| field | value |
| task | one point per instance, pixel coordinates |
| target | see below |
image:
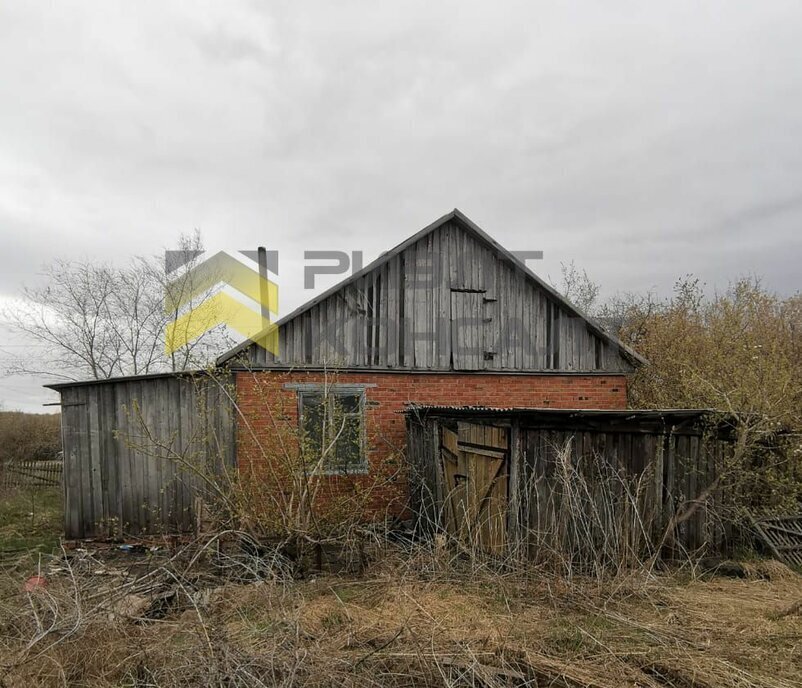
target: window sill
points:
(356, 470)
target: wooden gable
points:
(448, 298)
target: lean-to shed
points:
(136, 450)
(497, 478)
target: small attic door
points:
(467, 330)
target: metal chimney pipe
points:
(263, 295)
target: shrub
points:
(29, 436)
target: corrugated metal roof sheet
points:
(437, 409)
(548, 409)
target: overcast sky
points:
(641, 140)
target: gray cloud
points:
(642, 141)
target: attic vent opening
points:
(598, 352)
(373, 315)
(307, 333)
(552, 336)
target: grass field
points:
(414, 618)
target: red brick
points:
(271, 414)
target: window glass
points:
(350, 403)
(333, 430)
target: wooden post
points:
(433, 455)
(516, 465)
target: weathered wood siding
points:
(673, 461)
(127, 448)
(663, 468)
(449, 301)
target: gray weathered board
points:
(449, 298)
(131, 448)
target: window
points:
(332, 425)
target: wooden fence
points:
(31, 473)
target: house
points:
(446, 318)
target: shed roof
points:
(622, 420)
(125, 378)
(489, 411)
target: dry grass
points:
(410, 620)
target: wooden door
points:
(475, 483)
(467, 330)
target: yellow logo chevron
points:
(221, 308)
(221, 267)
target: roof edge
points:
(383, 258)
(57, 386)
(412, 406)
(630, 354)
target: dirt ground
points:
(105, 616)
(162, 614)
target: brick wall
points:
(269, 421)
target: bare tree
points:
(98, 320)
(627, 314)
(578, 288)
(182, 294)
